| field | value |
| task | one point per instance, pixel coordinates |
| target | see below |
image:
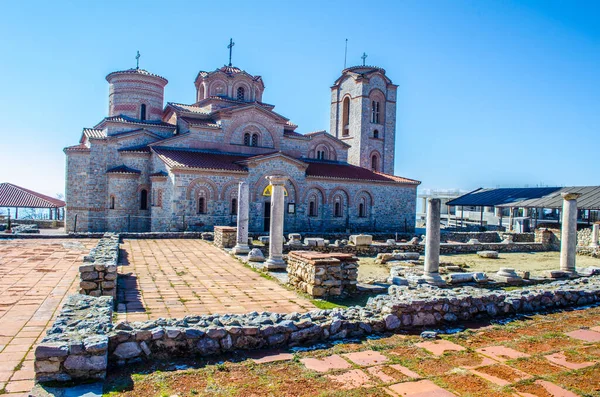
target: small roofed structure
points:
(524, 203)
(13, 196)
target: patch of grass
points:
(183, 300)
(324, 305)
(180, 273)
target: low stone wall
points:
(405, 308)
(225, 236)
(445, 248)
(323, 275)
(594, 252)
(76, 347)
(98, 274)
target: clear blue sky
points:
(490, 92)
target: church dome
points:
(136, 93)
(229, 82)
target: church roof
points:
(77, 148)
(123, 169)
(187, 108)
(337, 170)
(228, 70)
(93, 133)
(214, 160)
(134, 72)
(130, 120)
(208, 123)
(136, 149)
(16, 196)
(205, 159)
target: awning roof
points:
(500, 196)
(15, 196)
(589, 200)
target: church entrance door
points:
(267, 216)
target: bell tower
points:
(363, 114)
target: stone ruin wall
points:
(98, 274)
(73, 350)
(225, 236)
(323, 275)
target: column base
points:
(275, 264)
(240, 249)
(434, 279)
(561, 273)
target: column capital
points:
(570, 196)
(433, 200)
(277, 179)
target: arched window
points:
(218, 89)
(143, 111)
(376, 134)
(254, 139)
(312, 208)
(375, 112)
(321, 154)
(337, 209)
(247, 139)
(112, 202)
(361, 210)
(144, 199)
(201, 203)
(346, 117)
(240, 93)
(234, 206)
(201, 92)
(375, 162)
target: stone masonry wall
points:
(225, 236)
(323, 275)
(98, 274)
(404, 308)
(76, 347)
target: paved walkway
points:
(173, 278)
(35, 276)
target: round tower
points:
(136, 93)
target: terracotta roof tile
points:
(294, 134)
(77, 148)
(337, 170)
(136, 71)
(201, 122)
(122, 169)
(130, 120)
(136, 149)
(93, 133)
(189, 158)
(16, 196)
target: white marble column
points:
(275, 260)
(568, 243)
(243, 209)
(595, 234)
(432, 243)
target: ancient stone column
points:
(275, 260)
(568, 243)
(243, 208)
(432, 243)
(595, 234)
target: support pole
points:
(275, 260)
(568, 239)
(243, 209)
(432, 244)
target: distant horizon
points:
(490, 93)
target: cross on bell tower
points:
(137, 60)
(230, 46)
(364, 57)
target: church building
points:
(174, 167)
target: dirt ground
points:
(534, 262)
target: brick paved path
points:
(35, 276)
(173, 278)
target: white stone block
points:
(361, 239)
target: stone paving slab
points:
(35, 277)
(177, 277)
